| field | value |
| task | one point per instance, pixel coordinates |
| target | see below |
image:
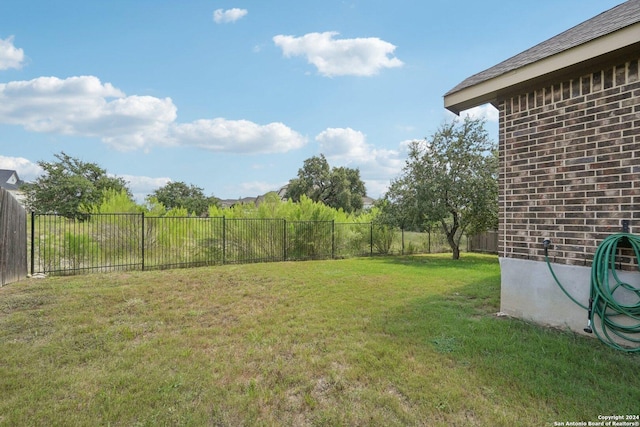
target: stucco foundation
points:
(529, 292)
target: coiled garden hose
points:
(602, 302)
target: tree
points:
(451, 180)
(180, 195)
(70, 187)
(339, 188)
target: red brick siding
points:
(570, 164)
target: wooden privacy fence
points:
(486, 242)
(13, 239)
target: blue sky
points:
(233, 96)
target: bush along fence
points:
(106, 242)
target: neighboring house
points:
(229, 203)
(367, 202)
(282, 192)
(10, 181)
(569, 142)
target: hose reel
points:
(614, 318)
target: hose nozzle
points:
(588, 328)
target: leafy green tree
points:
(304, 210)
(70, 187)
(180, 195)
(114, 201)
(339, 188)
(450, 179)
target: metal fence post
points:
(224, 240)
(284, 239)
(371, 236)
(142, 241)
(33, 242)
(333, 238)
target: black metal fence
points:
(106, 242)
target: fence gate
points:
(13, 239)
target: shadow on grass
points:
(575, 377)
(467, 261)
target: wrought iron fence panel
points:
(102, 242)
(105, 242)
(171, 242)
(308, 240)
(254, 240)
(383, 239)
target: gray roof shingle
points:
(612, 20)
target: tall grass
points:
(375, 341)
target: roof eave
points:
(489, 90)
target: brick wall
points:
(570, 164)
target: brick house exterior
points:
(570, 163)
(569, 149)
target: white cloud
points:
(221, 16)
(238, 136)
(26, 169)
(10, 56)
(486, 111)
(376, 188)
(84, 106)
(356, 57)
(406, 128)
(142, 186)
(348, 147)
(344, 143)
(134, 122)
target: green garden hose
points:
(602, 302)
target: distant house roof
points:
(229, 203)
(613, 32)
(368, 202)
(9, 180)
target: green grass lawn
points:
(380, 341)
